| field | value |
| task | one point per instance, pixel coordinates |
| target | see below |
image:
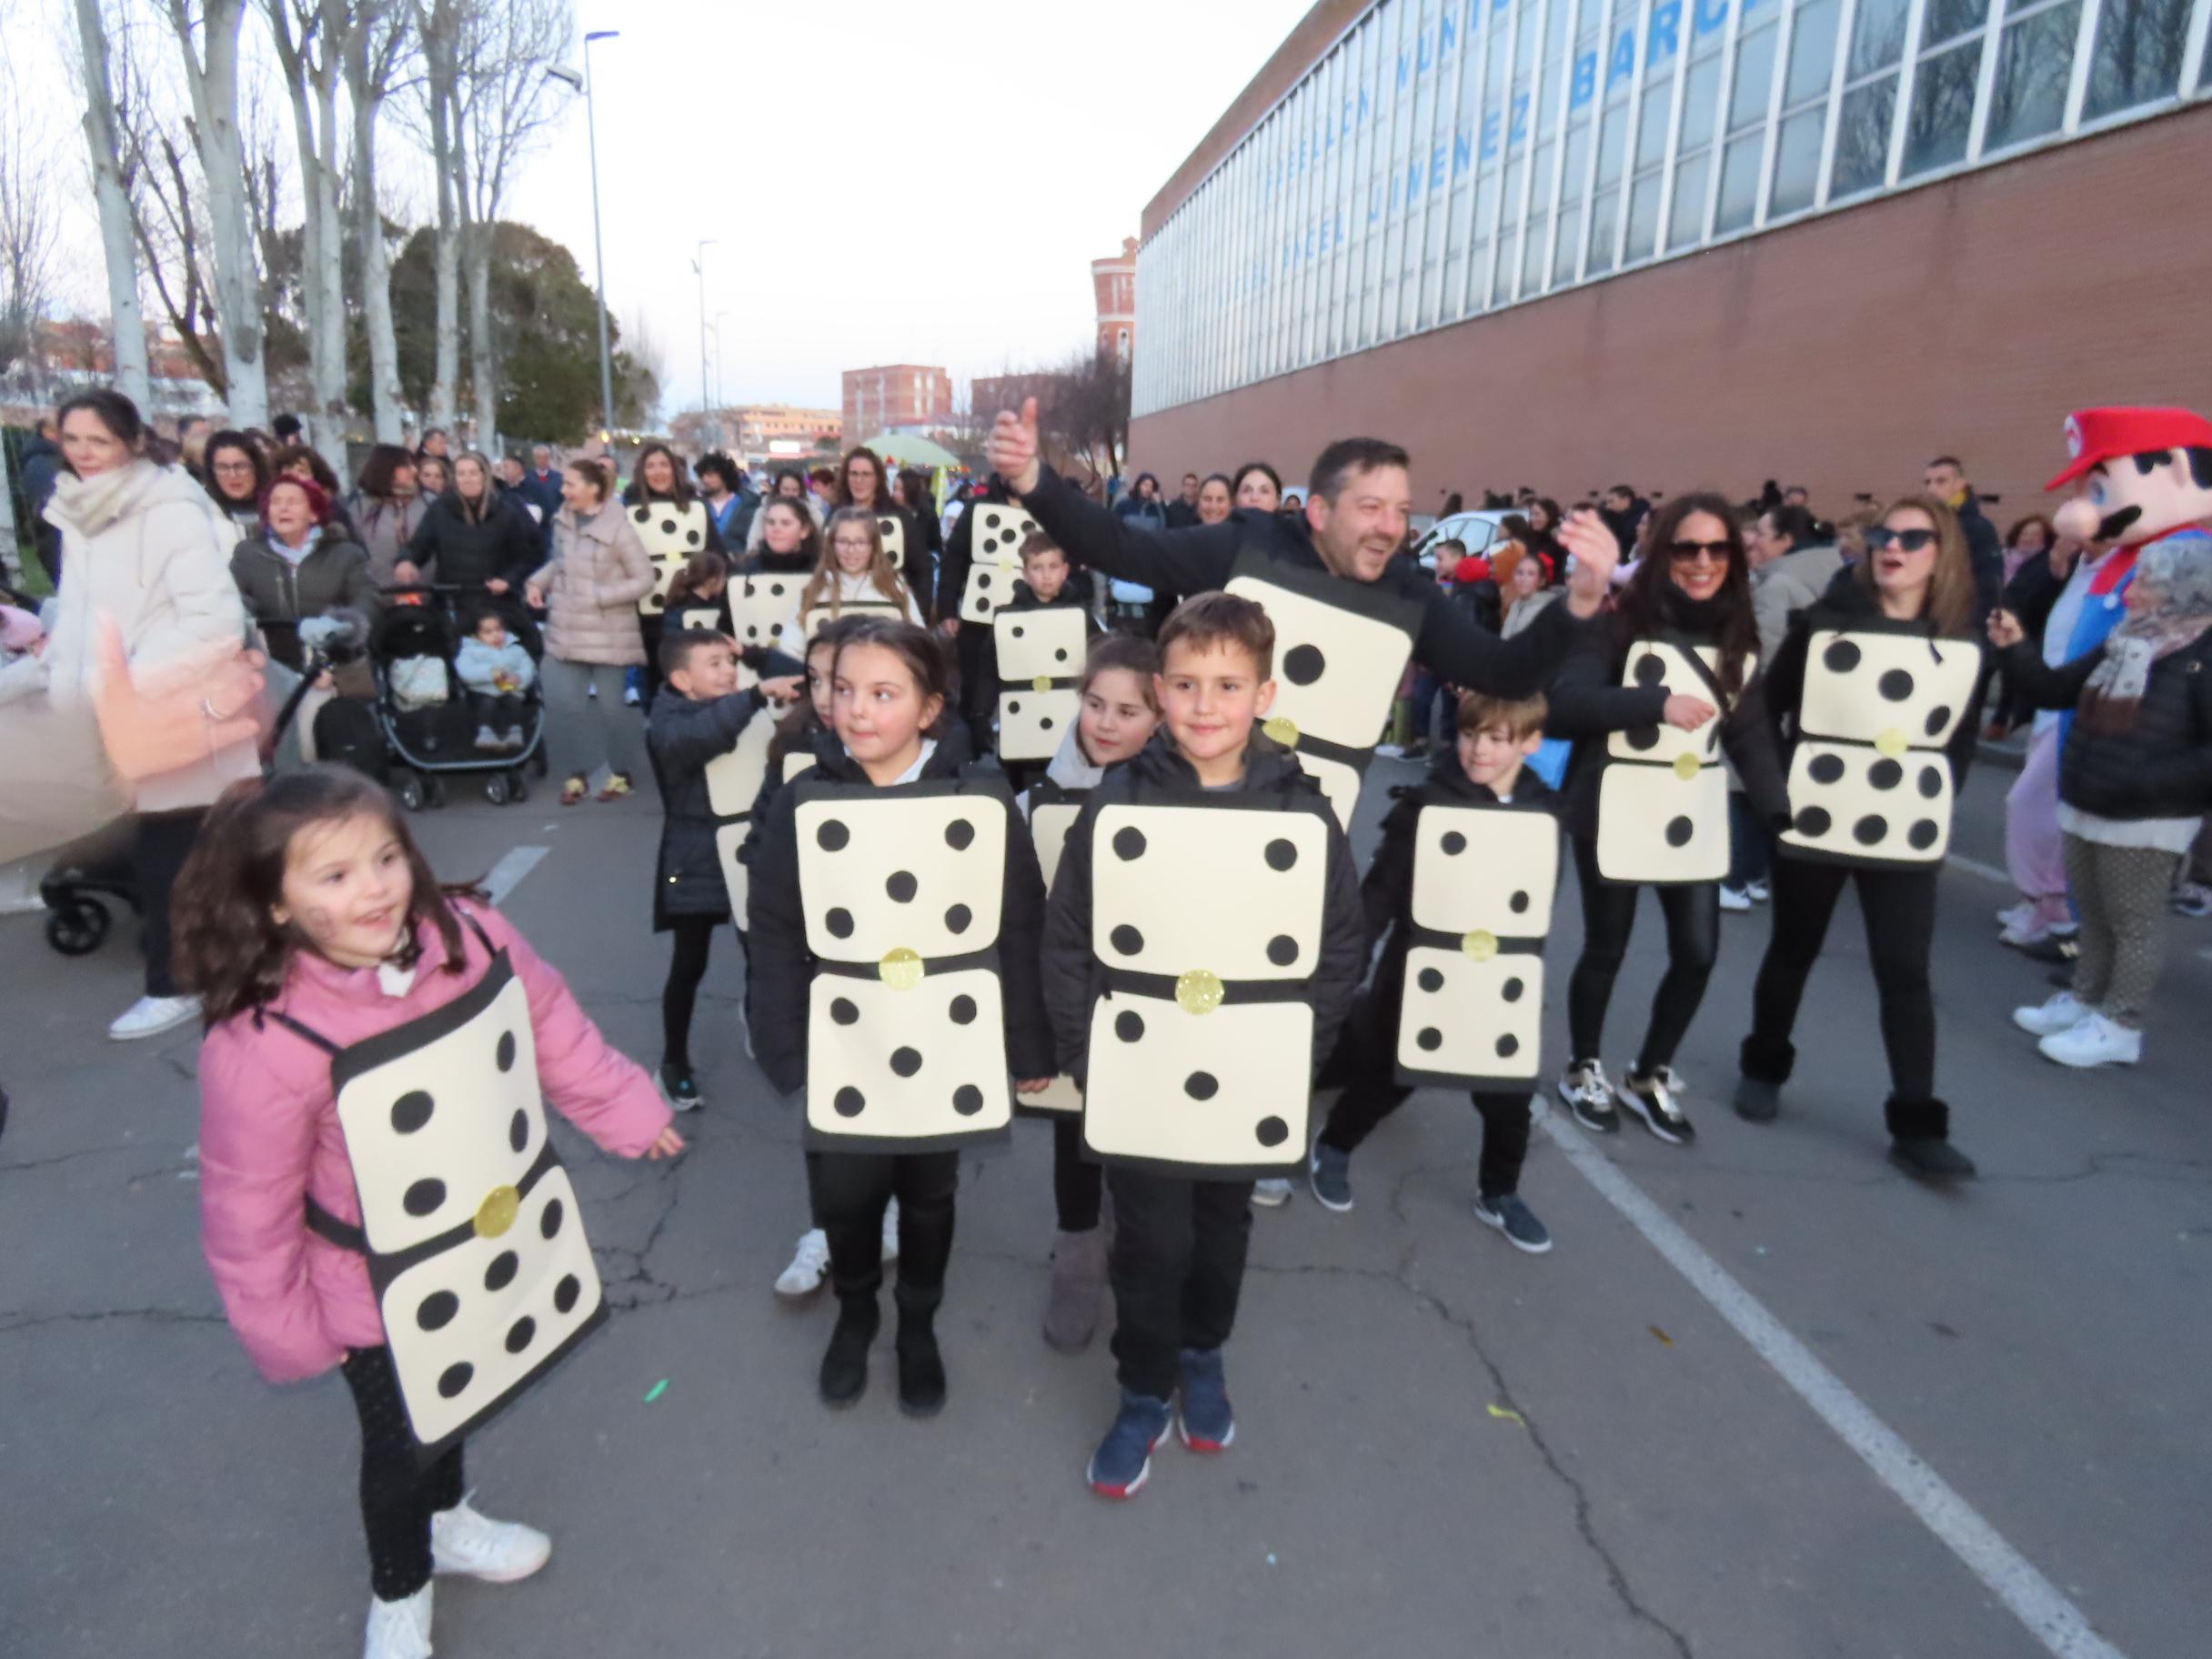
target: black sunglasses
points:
(1686, 552)
(1880, 537)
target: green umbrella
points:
(913, 451)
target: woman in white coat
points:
(141, 544)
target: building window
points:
(2137, 56)
(2034, 62)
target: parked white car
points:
(1476, 530)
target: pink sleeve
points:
(601, 1090)
(257, 1134)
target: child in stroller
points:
(426, 704)
(496, 669)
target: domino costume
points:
(1647, 805)
(1880, 720)
(881, 921)
(1039, 650)
(672, 531)
(1202, 950)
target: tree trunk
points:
(213, 85)
(125, 320)
(483, 360)
(309, 85)
(365, 83)
(437, 25)
(329, 181)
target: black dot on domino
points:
(1201, 1085)
(840, 924)
(437, 1309)
(963, 1010)
(848, 1101)
(1518, 904)
(519, 1333)
(1272, 1131)
(668, 526)
(960, 835)
(1931, 782)
(1430, 1039)
(967, 1100)
(424, 1197)
(1044, 722)
(1827, 768)
(1896, 685)
(958, 918)
(1282, 949)
(1129, 843)
(1126, 940)
(504, 1055)
(519, 1129)
(1512, 991)
(1939, 717)
(1870, 830)
(549, 1223)
(833, 836)
(411, 1111)
(901, 887)
(1679, 831)
(1812, 823)
(643, 515)
(1508, 1046)
(1453, 843)
(1885, 774)
(1431, 980)
(1643, 737)
(905, 1062)
(566, 1292)
(1129, 1025)
(1650, 671)
(1303, 664)
(454, 1379)
(502, 1271)
(842, 1010)
(1840, 656)
(1923, 834)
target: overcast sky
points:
(885, 182)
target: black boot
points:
(922, 1369)
(1766, 1064)
(1920, 1140)
(844, 1376)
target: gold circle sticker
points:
(1043, 682)
(1687, 765)
(1197, 992)
(900, 969)
(497, 1213)
(1480, 945)
(1892, 744)
(1282, 730)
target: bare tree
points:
(438, 24)
(504, 107)
(373, 50)
(207, 36)
(309, 37)
(118, 243)
(29, 220)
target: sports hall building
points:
(1671, 243)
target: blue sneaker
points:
(1125, 1458)
(1515, 1220)
(1205, 1423)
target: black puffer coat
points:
(2162, 766)
(449, 546)
(683, 737)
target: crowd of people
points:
(1028, 801)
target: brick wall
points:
(1968, 317)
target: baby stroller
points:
(423, 708)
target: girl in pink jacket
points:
(378, 1192)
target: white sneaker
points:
(1735, 897)
(488, 739)
(151, 1016)
(476, 1547)
(810, 1261)
(2061, 1012)
(890, 1230)
(1271, 1194)
(2024, 932)
(2095, 1041)
(2016, 915)
(1760, 892)
(1384, 751)
(399, 1630)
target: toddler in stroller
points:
(435, 719)
(497, 671)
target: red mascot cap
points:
(2095, 436)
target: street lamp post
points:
(582, 83)
(718, 315)
(698, 264)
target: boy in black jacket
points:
(1177, 1254)
(687, 734)
(1044, 702)
(1494, 1014)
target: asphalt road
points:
(1445, 1448)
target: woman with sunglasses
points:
(1648, 806)
(1872, 695)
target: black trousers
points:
(164, 841)
(1692, 914)
(497, 710)
(1077, 1185)
(850, 1190)
(976, 650)
(649, 687)
(398, 1495)
(1177, 1268)
(1899, 907)
(692, 938)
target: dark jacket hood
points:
(951, 756)
(1447, 784)
(1267, 765)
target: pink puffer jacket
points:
(599, 572)
(270, 1137)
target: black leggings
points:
(398, 1494)
(1899, 908)
(1076, 1185)
(692, 937)
(850, 1190)
(1363, 1061)
(162, 842)
(1692, 913)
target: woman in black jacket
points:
(862, 482)
(2135, 781)
(471, 537)
(910, 490)
(888, 698)
(1873, 694)
(674, 523)
(1644, 807)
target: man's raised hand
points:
(1012, 448)
(1595, 553)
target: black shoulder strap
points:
(1704, 669)
(305, 1033)
(477, 927)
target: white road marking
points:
(1988, 872)
(508, 873)
(2010, 1576)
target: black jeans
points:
(1077, 1185)
(1363, 1063)
(1751, 844)
(1899, 907)
(850, 1190)
(398, 1494)
(692, 938)
(497, 710)
(1177, 1267)
(164, 841)
(1692, 913)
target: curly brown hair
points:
(230, 948)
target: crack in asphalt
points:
(25, 1319)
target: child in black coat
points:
(1040, 636)
(688, 734)
(1492, 1015)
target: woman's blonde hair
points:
(1951, 595)
(823, 587)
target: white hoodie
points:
(862, 591)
